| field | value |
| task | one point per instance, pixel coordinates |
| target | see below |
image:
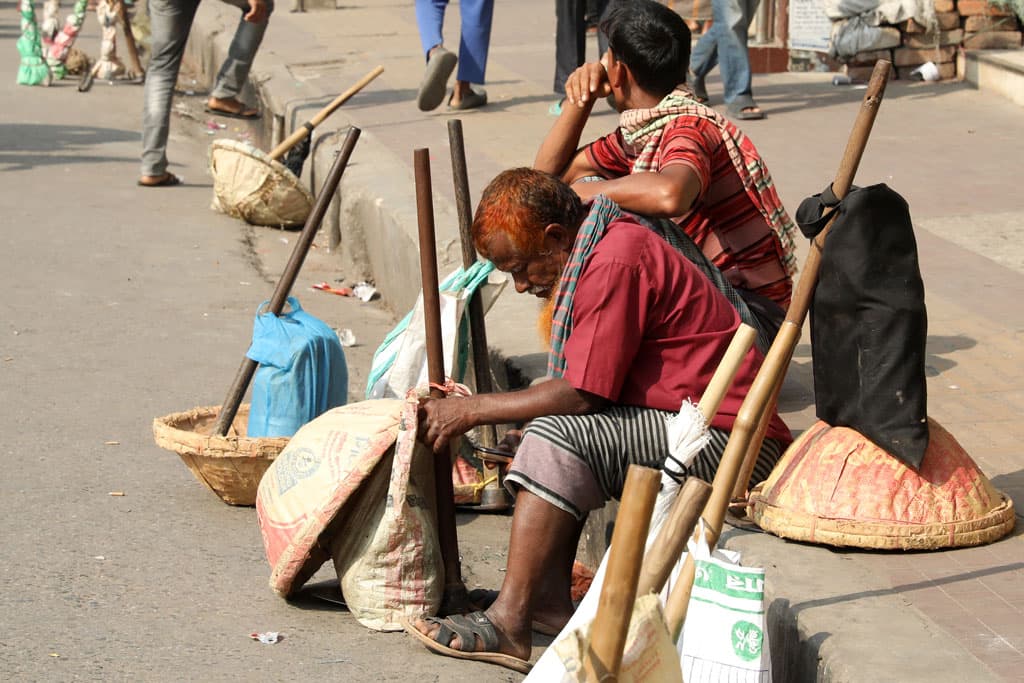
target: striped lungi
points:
(578, 462)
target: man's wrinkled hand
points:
(443, 419)
(587, 83)
(257, 13)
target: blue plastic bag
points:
(302, 371)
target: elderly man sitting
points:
(635, 329)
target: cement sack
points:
(750, 660)
(334, 477)
(648, 657)
(386, 553)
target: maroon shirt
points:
(649, 329)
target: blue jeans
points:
(170, 22)
(726, 44)
(475, 38)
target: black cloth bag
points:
(868, 321)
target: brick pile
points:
(960, 25)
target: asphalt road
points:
(122, 304)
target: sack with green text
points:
(724, 636)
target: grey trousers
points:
(170, 22)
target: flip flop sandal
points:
(435, 81)
(471, 100)
(482, 598)
(247, 115)
(169, 180)
(469, 628)
(737, 109)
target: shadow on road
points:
(28, 145)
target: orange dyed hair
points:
(521, 202)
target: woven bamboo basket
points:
(248, 184)
(231, 466)
(835, 487)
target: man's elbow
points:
(670, 203)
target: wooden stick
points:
(691, 499)
(739, 491)
(454, 589)
(129, 40)
(478, 331)
(686, 508)
(291, 272)
(300, 133)
(676, 529)
(493, 497)
(726, 371)
(618, 593)
(774, 368)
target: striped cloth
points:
(602, 212)
(606, 444)
(642, 130)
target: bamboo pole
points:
(691, 499)
(454, 588)
(306, 128)
(618, 593)
(774, 368)
(493, 497)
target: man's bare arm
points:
(668, 193)
(443, 419)
(559, 154)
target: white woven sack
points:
(387, 555)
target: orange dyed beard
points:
(544, 318)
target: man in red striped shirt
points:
(674, 158)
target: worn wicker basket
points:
(248, 184)
(231, 466)
(834, 486)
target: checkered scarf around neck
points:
(642, 130)
(603, 212)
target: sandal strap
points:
(444, 634)
(472, 626)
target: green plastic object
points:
(32, 70)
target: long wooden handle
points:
(446, 531)
(291, 272)
(840, 186)
(306, 128)
(801, 301)
(675, 530)
(775, 364)
(618, 593)
(727, 368)
(477, 329)
(691, 499)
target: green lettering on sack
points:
(734, 584)
(746, 640)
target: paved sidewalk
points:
(952, 151)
